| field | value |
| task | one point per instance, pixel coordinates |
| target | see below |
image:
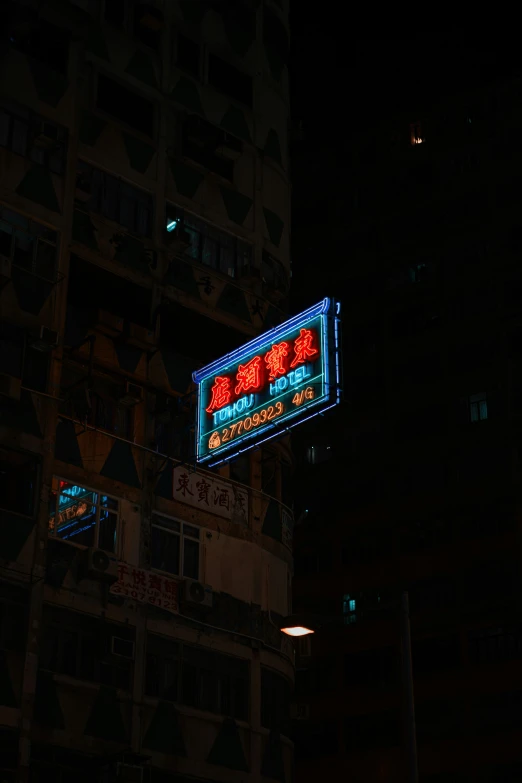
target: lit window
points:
(175, 547)
(83, 516)
(478, 407)
(416, 136)
(349, 609)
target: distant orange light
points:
(297, 630)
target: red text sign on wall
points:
(146, 587)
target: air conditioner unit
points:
(133, 395)
(299, 711)
(44, 339)
(10, 386)
(129, 773)
(122, 647)
(108, 323)
(196, 594)
(141, 337)
(99, 565)
(5, 269)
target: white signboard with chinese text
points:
(200, 490)
(147, 587)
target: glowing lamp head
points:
(297, 630)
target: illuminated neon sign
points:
(274, 382)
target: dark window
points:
(14, 614)
(175, 547)
(18, 482)
(115, 12)
(377, 730)
(125, 105)
(117, 200)
(435, 593)
(81, 646)
(188, 55)
(148, 22)
(197, 677)
(91, 287)
(39, 140)
(36, 368)
(210, 246)
(494, 645)
(439, 719)
(229, 80)
(434, 655)
(275, 700)
(30, 245)
(275, 36)
(315, 740)
(210, 146)
(371, 668)
(45, 42)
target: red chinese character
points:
(183, 482)
(203, 488)
(274, 360)
(122, 571)
(170, 587)
(249, 375)
(221, 393)
(155, 582)
(303, 348)
(138, 577)
(221, 498)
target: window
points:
(229, 80)
(117, 200)
(197, 677)
(82, 646)
(18, 482)
(125, 105)
(371, 668)
(148, 22)
(377, 730)
(188, 55)
(210, 246)
(275, 36)
(315, 740)
(175, 547)
(495, 645)
(273, 273)
(43, 42)
(89, 283)
(275, 701)
(349, 609)
(211, 147)
(33, 137)
(115, 12)
(30, 245)
(435, 654)
(478, 407)
(83, 516)
(14, 617)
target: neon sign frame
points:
(312, 395)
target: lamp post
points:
(303, 625)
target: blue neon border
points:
(256, 344)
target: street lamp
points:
(304, 625)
